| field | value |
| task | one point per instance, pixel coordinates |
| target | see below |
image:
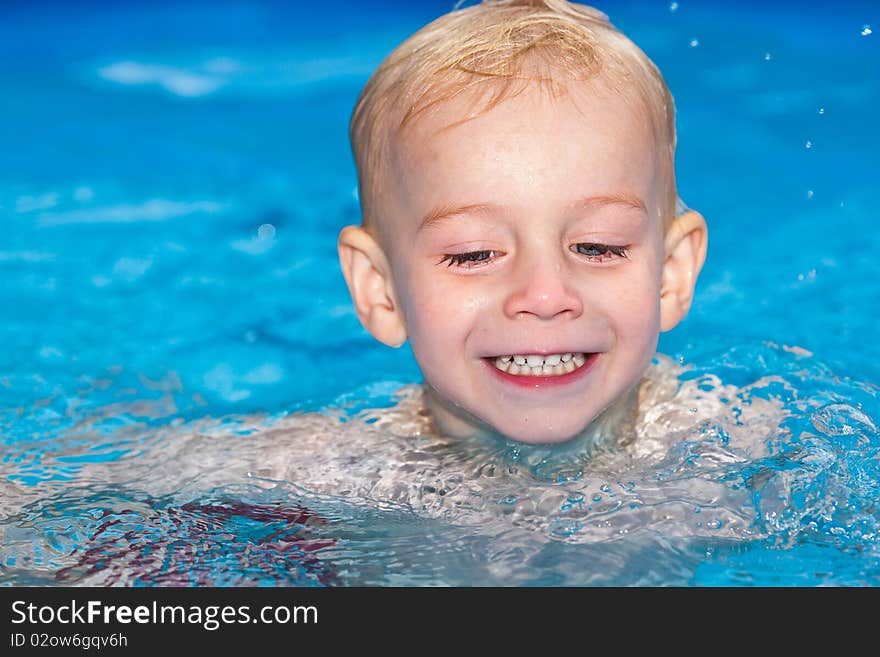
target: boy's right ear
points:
(368, 276)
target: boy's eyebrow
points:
(441, 213)
(620, 198)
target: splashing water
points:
(713, 475)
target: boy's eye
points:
(469, 259)
(595, 252)
(600, 252)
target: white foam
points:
(254, 245)
(25, 256)
(222, 379)
(263, 74)
(263, 374)
(153, 210)
(32, 203)
(178, 81)
(222, 66)
(83, 194)
(131, 269)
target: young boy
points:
(520, 224)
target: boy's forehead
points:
(590, 103)
(585, 115)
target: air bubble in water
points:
(809, 194)
(866, 30)
(821, 110)
(266, 232)
(694, 43)
(767, 56)
(809, 144)
(673, 6)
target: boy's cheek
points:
(441, 317)
(639, 318)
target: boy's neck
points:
(614, 427)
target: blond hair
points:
(492, 42)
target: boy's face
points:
(506, 236)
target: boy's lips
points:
(584, 363)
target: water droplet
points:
(821, 110)
(767, 56)
(809, 144)
(266, 232)
(597, 497)
(809, 194)
(605, 488)
(694, 43)
(714, 524)
(866, 30)
(673, 6)
(508, 499)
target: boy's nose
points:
(540, 289)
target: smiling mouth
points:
(536, 365)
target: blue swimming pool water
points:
(172, 179)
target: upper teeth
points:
(536, 364)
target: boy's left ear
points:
(686, 242)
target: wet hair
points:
(493, 51)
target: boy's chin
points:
(542, 435)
